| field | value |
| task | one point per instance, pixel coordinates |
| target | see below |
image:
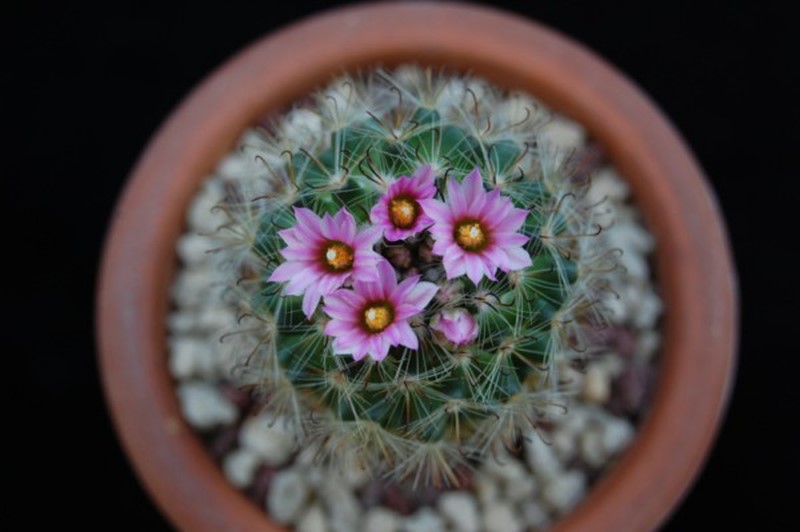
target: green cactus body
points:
(416, 413)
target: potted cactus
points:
(409, 275)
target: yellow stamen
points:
(470, 235)
(377, 317)
(338, 256)
(403, 211)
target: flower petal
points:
(330, 282)
(340, 329)
(407, 336)
(513, 219)
(472, 186)
(311, 300)
(438, 211)
(300, 253)
(402, 290)
(367, 238)
(497, 256)
(350, 298)
(453, 262)
(307, 222)
(421, 295)
(518, 258)
(456, 198)
(387, 277)
(284, 272)
(474, 267)
(361, 349)
(346, 225)
(509, 239)
(377, 347)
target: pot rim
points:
(693, 260)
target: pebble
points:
(517, 109)
(521, 488)
(500, 517)
(460, 509)
(564, 491)
(453, 94)
(216, 320)
(380, 519)
(597, 384)
(193, 249)
(647, 345)
(617, 435)
(192, 357)
(593, 451)
(649, 310)
(303, 127)
(565, 134)
(576, 419)
(243, 168)
(636, 268)
(617, 308)
(631, 237)
(268, 437)
(425, 520)
(202, 216)
(287, 496)
(313, 520)
(541, 457)
(192, 288)
(606, 183)
(240, 467)
(503, 466)
(534, 515)
(343, 508)
(564, 443)
(203, 405)
(486, 488)
(182, 322)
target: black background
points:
(84, 88)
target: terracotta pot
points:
(693, 262)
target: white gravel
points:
(460, 510)
(425, 520)
(313, 520)
(379, 519)
(203, 405)
(240, 467)
(287, 496)
(565, 491)
(501, 517)
(270, 438)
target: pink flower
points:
(374, 316)
(398, 211)
(458, 326)
(476, 231)
(322, 254)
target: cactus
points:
(410, 261)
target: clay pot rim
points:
(693, 259)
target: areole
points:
(698, 288)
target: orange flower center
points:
(378, 316)
(470, 235)
(403, 211)
(337, 256)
